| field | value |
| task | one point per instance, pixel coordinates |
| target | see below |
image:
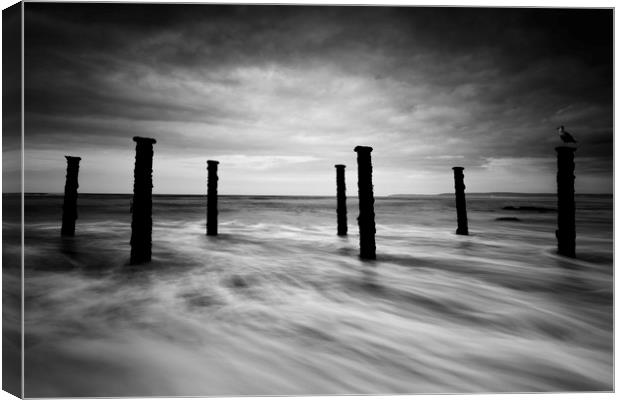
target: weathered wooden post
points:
(69, 207)
(366, 219)
(461, 206)
(141, 221)
(212, 198)
(565, 233)
(341, 193)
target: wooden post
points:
(141, 221)
(69, 207)
(212, 198)
(461, 206)
(366, 219)
(341, 193)
(565, 233)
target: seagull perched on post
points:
(565, 136)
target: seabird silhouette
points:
(565, 136)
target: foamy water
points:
(277, 304)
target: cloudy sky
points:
(279, 94)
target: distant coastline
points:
(499, 194)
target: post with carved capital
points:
(565, 233)
(341, 193)
(212, 198)
(141, 221)
(461, 206)
(69, 207)
(366, 219)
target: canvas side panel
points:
(12, 199)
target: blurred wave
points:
(277, 304)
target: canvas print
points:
(228, 200)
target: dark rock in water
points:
(514, 219)
(530, 208)
(238, 281)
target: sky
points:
(280, 94)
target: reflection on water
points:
(280, 305)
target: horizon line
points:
(318, 195)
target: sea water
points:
(278, 304)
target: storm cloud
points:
(279, 94)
